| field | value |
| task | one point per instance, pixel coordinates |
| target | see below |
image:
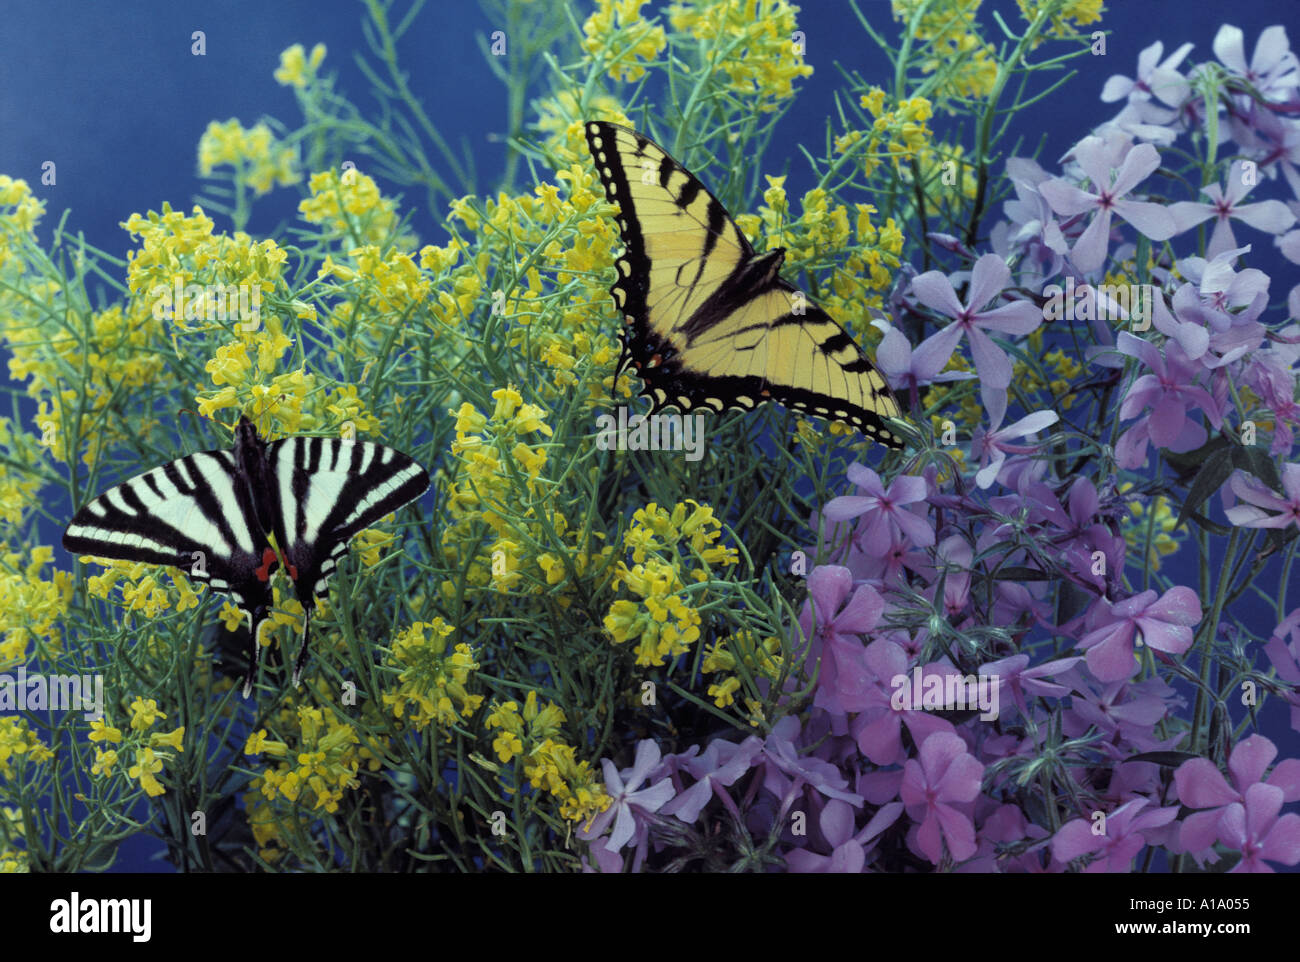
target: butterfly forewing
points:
(194, 514)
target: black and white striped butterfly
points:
(210, 515)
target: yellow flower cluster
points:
(497, 480)
(20, 212)
(16, 741)
(146, 588)
(547, 249)
(297, 69)
(897, 134)
(655, 531)
(562, 120)
(12, 828)
(661, 543)
(533, 735)
(965, 65)
(392, 282)
(756, 43)
(258, 159)
(761, 658)
(142, 742)
(617, 37)
(31, 606)
(350, 205)
(430, 677)
(1157, 517)
(318, 771)
(305, 775)
(119, 349)
(1081, 12)
(857, 284)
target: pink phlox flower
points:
(944, 777)
(1121, 840)
(1164, 622)
(1261, 500)
(1201, 786)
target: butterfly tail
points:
(618, 372)
(254, 652)
(302, 644)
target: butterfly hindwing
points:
(710, 323)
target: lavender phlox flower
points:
(722, 765)
(1169, 392)
(630, 803)
(1273, 70)
(1164, 622)
(1201, 786)
(1255, 828)
(848, 850)
(989, 278)
(1258, 497)
(1120, 842)
(1020, 681)
(843, 614)
(1270, 216)
(943, 777)
(992, 445)
(907, 369)
(1157, 82)
(1109, 199)
(877, 507)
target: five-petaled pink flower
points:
(1120, 840)
(1258, 496)
(945, 774)
(1202, 786)
(1164, 622)
(1253, 828)
(879, 508)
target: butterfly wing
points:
(195, 514)
(328, 490)
(710, 322)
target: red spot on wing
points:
(264, 572)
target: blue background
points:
(112, 94)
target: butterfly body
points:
(213, 513)
(710, 322)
